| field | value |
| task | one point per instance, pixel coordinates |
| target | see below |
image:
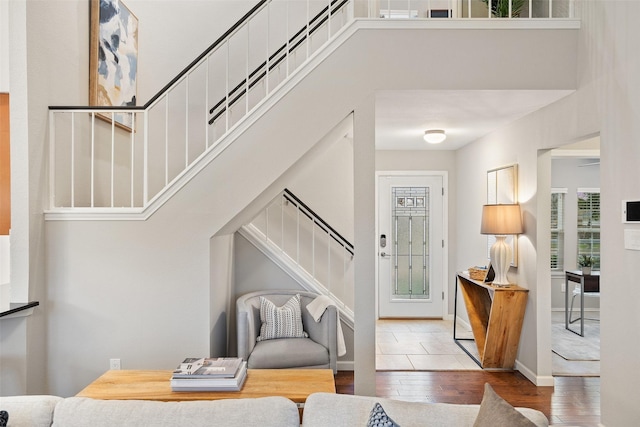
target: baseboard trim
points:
(539, 381)
(346, 365)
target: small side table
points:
(496, 315)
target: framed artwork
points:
(502, 188)
(113, 59)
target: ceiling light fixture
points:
(434, 136)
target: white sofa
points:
(321, 410)
(45, 411)
(325, 409)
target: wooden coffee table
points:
(294, 384)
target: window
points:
(557, 228)
(589, 224)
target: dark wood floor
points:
(573, 400)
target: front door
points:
(410, 246)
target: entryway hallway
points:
(420, 345)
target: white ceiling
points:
(465, 115)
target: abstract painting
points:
(113, 62)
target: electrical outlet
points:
(563, 287)
(114, 364)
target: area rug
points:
(572, 346)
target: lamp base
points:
(501, 260)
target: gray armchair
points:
(317, 351)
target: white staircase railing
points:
(307, 248)
(97, 164)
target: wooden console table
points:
(294, 384)
(496, 315)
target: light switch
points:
(632, 239)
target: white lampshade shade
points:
(435, 136)
(501, 219)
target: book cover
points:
(219, 367)
(211, 384)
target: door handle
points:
(384, 255)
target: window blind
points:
(557, 228)
(589, 224)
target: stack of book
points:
(209, 374)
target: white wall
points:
(610, 63)
(4, 87)
(4, 259)
(4, 46)
(327, 186)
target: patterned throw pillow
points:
(379, 418)
(495, 411)
(4, 418)
(281, 322)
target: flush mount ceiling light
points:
(434, 136)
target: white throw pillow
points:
(281, 322)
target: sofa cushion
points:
(288, 353)
(281, 322)
(266, 411)
(29, 411)
(495, 411)
(326, 409)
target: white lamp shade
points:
(501, 219)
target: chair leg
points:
(571, 310)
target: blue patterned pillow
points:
(379, 418)
(281, 322)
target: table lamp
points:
(501, 220)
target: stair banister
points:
(288, 195)
(157, 130)
(167, 145)
(290, 46)
(322, 246)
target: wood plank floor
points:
(573, 400)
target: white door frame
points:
(445, 231)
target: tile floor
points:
(414, 345)
(419, 345)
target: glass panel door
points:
(410, 236)
(411, 246)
